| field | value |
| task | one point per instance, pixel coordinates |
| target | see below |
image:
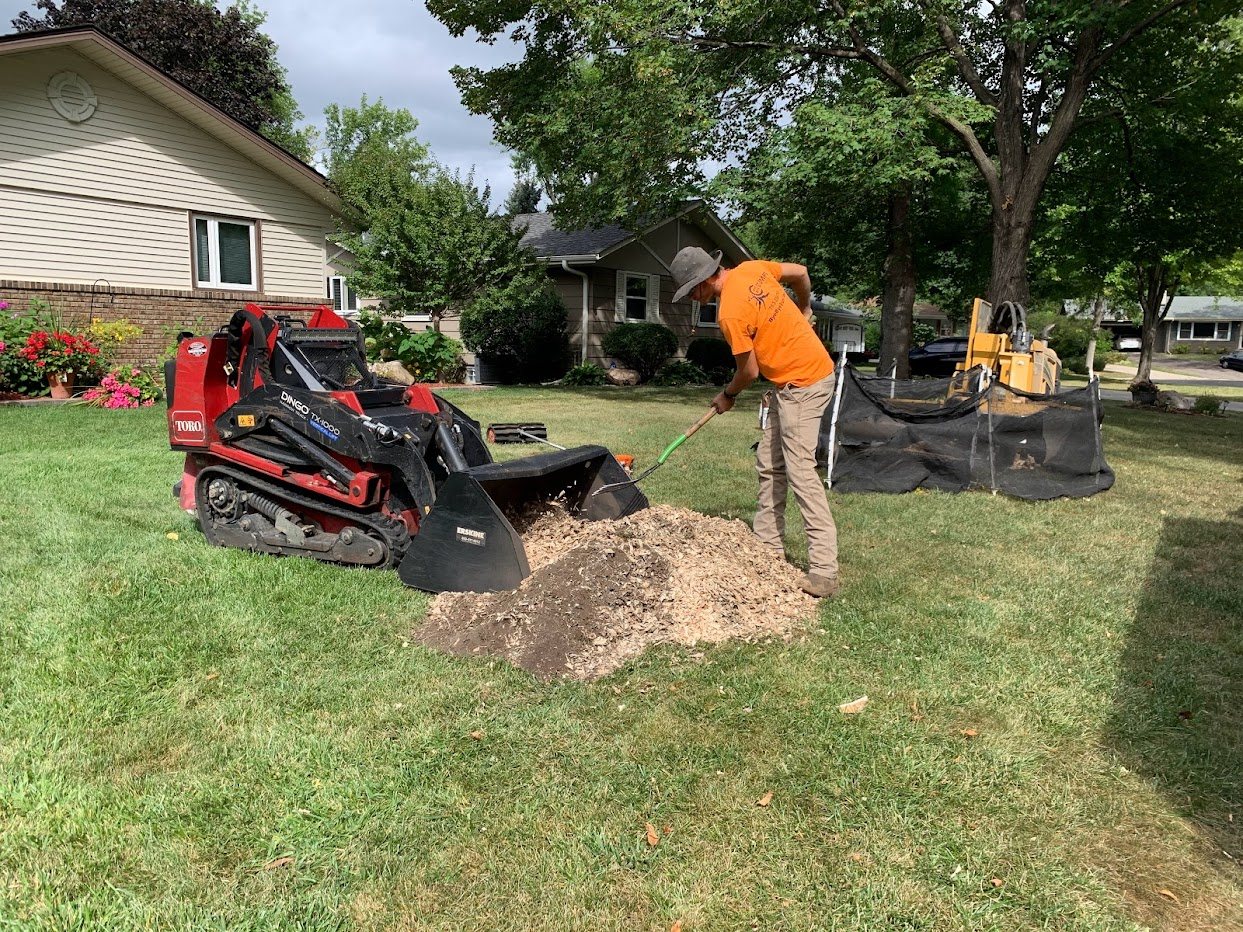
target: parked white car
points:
(1128, 344)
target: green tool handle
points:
(660, 460)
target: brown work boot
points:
(822, 587)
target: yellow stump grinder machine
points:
(294, 447)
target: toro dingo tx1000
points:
(294, 447)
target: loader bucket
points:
(467, 544)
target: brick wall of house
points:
(160, 313)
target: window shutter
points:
(235, 267)
(202, 252)
(336, 285)
(653, 298)
(351, 299)
(620, 302)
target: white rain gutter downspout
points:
(565, 264)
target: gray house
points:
(1202, 324)
(608, 277)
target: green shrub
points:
(1210, 404)
(1075, 364)
(1181, 349)
(642, 347)
(714, 357)
(920, 334)
(429, 355)
(680, 372)
(520, 328)
(710, 353)
(587, 373)
(1208, 351)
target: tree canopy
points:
(1147, 199)
(624, 103)
(221, 55)
(422, 236)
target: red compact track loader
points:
(294, 447)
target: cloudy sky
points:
(390, 49)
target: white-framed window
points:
(638, 296)
(1203, 330)
(704, 315)
(224, 253)
(341, 295)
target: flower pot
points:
(61, 384)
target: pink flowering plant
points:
(126, 387)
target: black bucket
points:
(466, 544)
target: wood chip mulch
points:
(602, 592)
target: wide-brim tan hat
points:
(691, 266)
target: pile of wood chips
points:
(601, 592)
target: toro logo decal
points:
(197, 349)
(289, 401)
(188, 426)
(328, 430)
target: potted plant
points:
(1143, 392)
(59, 356)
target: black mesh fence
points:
(890, 435)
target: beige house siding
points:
(113, 195)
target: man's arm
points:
(796, 277)
(747, 370)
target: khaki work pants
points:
(786, 459)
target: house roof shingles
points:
(549, 242)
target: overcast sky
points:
(390, 49)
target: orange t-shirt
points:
(756, 314)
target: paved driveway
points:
(1191, 369)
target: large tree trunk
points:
(1155, 291)
(1012, 239)
(898, 298)
(1098, 315)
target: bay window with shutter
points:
(341, 295)
(704, 315)
(225, 254)
(638, 297)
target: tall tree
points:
(1147, 200)
(625, 101)
(857, 189)
(527, 192)
(222, 55)
(422, 237)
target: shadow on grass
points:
(1178, 717)
(1165, 433)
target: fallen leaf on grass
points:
(212, 676)
(765, 799)
(856, 856)
(653, 837)
(1184, 714)
(1168, 895)
(916, 715)
(278, 862)
(851, 708)
(172, 535)
(477, 735)
(666, 829)
(676, 927)
(997, 882)
(969, 733)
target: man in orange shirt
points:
(772, 336)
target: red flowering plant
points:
(59, 352)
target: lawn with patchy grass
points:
(197, 738)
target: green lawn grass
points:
(195, 738)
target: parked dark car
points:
(1232, 360)
(938, 357)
